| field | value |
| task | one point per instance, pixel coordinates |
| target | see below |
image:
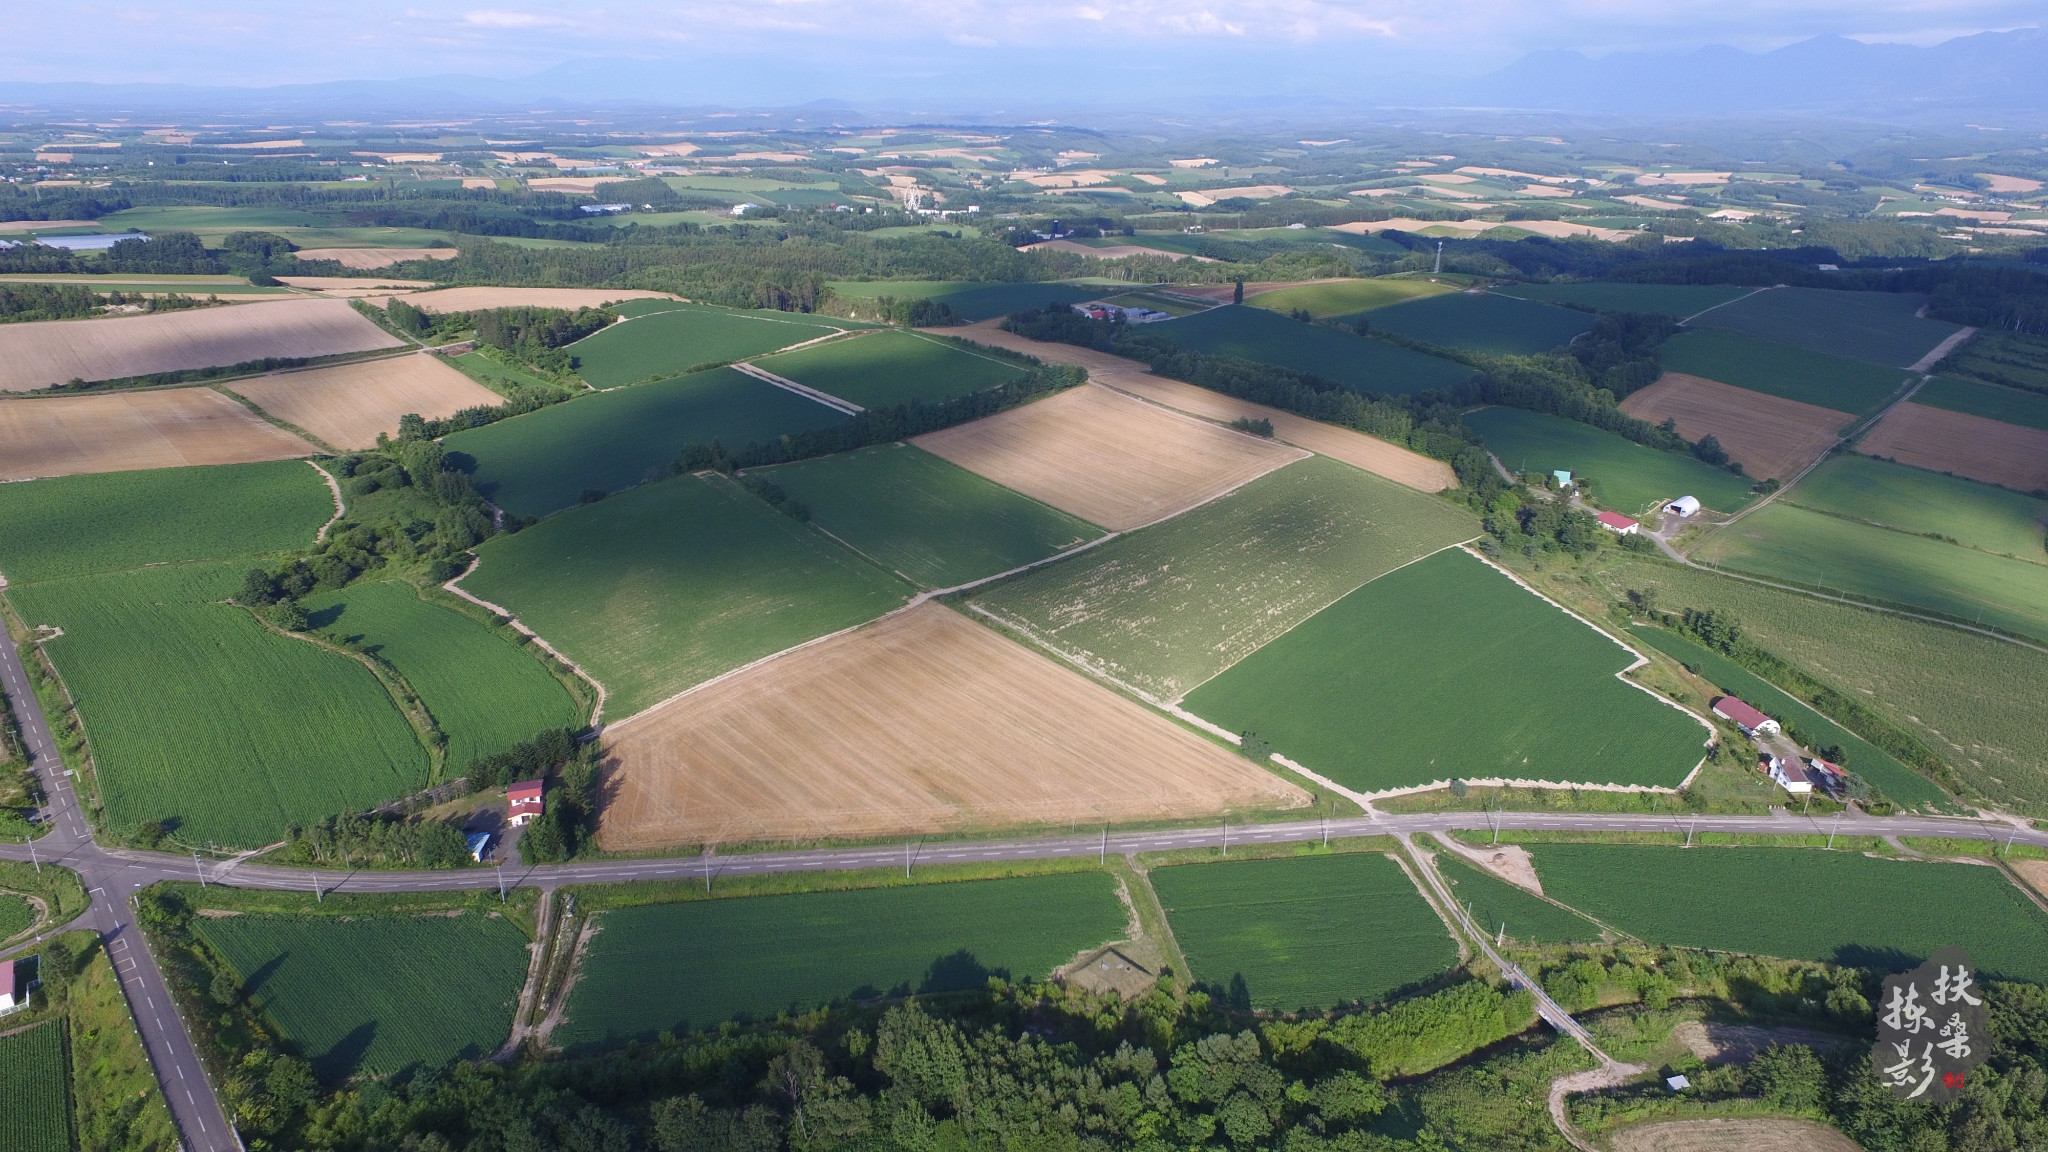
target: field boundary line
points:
(956, 347)
(340, 508)
(1723, 304)
(845, 407)
(597, 710)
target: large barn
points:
(1752, 722)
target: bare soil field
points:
(472, 299)
(48, 352)
(1944, 441)
(923, 722)
(1106, 457)
(355, 287)
(367, 258)
(42, 225)
(1772, 436)
(1132, 378)
(574, 185)
(2034, 872)
(1737, 1134)
(347, 405)
(128, 431)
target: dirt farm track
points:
(40, 354)
(124, 431)
(923, 722)
(1944, 441)
(347, 405)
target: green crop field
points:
(1793, 544)
(1167, 607)
(2008, 358)
(1879, 327)
(544, 461)
(199, 716)
(1346, 296)
(1497, 906)
(1625, 476)
(1374, 367)
(378, 994)
(932, 522)
(1907, 788)
(679, 338)
(1305, 931)
(1991, 401)
(1842, 907)
(16, 915)
(483, 691)
(494, 375)
(972, 300)
(70, 525)
(1447, 669)
(1679, 300)
(887, 368)
(1927, 503)
(1483, 322)
(668, 585)
(1782, 370)
(35, 1085)
(673, 967)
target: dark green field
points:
(1482, 322)
(972, 300)
(1499, 907)
(670, 584)
(35, 1097)
(1626, 476)
(1841, 907)
(543, 461)
(884, 369)
(2008, 358)
(1679, 300)
(1879, 327)
(1374, 367)
(1924, 503)
(1907, 788)
(70, 525)
(1304, 931)
(934, 523)
(1447, 669)
(378, 994)
(1782, 370)
(661, 342)
(675, 967)
(1991, 401)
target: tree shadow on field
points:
(261, 976)
(1877, 957)
(322, 619)
(342, 1060)
(958, 972)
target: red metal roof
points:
(524, 790)
(7, 978)
(1616, 521)
(1733, 709)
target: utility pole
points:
(906, 859)
(501, 882)
(1831, 831)
(1105, 846)
(198, 869)
(33, 858)
(316, 889)
(1226, 835)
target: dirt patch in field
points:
(1742, 1134)
(50, 352)
(1107, 457)
(349, 404)
(2034, 872)
(1944, 441)
(367, 258)
(472, 299)
(923, 722)
(1740, 1043)
(43, 225)
(1510, 862)
(1772, 436)
(126, 431)
(1132, 378)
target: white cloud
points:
(498, 18)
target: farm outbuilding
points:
(13, 994)
(526, 802)
(1752, 722)
(1683, 506)
(1618, 524)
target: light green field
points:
(1374, 367)
(1789, 543)
(933, 523)
(378, 994)
(1878, 327)
(1626, 476)
(494, 375)
(1167, 607)
(1447, 669)
(887, 368)
(306, 229)
(484, 692)
(1678, 300)
(1483, 322)
(1346, 296)
(34, 1082)
(1501, 908)
(16, 915)
(2009, 358)
(1925, 503)
(200, 717)
(71, 525)
(973, 300)
(676, 967)
(678, 338)
(668, 585)
(1782, 370)
(1307, 931)
(1991, 401)
(544, 461)
(1883, 914)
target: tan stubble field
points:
(1944, 441)
(347, 405)
(43, 353)
(472, 299)
(128, 431)
(1773, 437)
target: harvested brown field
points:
(472, 299)
(1106, 457)
(922, 722)
(1770, 435)
(355, 287)
(368, 258)
(574, 185)
(50, 352)
(347, 405)
(2034, 872)
(1132, 378)
(1944, 441)
(42, 225)
(1736, 1134)
(127, 431)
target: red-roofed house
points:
(1788, 774)
(527, 804)
(11, 996)
(1751, 721)
(1618, 524)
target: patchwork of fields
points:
(676, 967)
(666, 338)
(1374, 367)
(490, 296)
(972, 300)
(127, 431)
(1677, 300)
(1483, 322)
(41, 354)
(1624, 475)
(34, 1081)
(1824, 381)
(884, 369)
(1500, 907)
(1924, 503)
(1305, 932)
(1991, 401)
(1342, 297)
(1878, 327)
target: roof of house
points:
(1792, 772)
(1736, 710)
(524, 790)
(7, 979)
(1616, 520)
